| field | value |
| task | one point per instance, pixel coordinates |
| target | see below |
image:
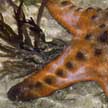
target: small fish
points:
(85, 59)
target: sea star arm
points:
(61, 12)
(77, 63)
(57, 75)
(76, 20)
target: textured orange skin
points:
(86, 59)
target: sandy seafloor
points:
(81, 95)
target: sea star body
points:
(85, 59)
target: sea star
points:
(85, 59)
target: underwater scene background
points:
(18, 60)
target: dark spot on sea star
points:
(98, 51)
(14, 92)
(69, 65)
(64, 3)
(99, 9)
(80, 56)
(60, 73)
(49, 80)
(72, 6)
(78, 9)
(38, 85)
(102, 25)
(88, 36)
(104, 37)
(89, 9)
(93, 17)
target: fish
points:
(85, 59)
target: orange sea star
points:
(85, 59)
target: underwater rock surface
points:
(81, 95)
